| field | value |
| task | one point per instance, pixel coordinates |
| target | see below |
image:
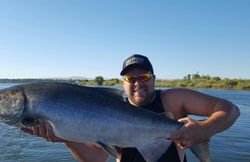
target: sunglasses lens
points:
(129, 78)
(144, 77)
(141, 77)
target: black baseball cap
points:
(136, 60)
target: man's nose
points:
(138, 82)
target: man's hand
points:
(81, 151)
(192, 133)
(44, 130)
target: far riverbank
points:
(189, 81)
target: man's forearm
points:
(75, 149)
(223, 117)
(87, 152)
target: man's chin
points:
(140, 101)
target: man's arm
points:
(183, 102)
(84, 152)
(87, 152)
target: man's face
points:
(139, 85)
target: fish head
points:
(12, 105)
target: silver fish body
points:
(85, 114)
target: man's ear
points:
(122, 82)
(154, 77)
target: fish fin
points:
(201, 151)
(151, 152)
(109, 149)
(112, 92)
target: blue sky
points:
(62, 38)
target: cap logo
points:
(134, 60)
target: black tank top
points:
(133, 155)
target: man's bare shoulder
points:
(182, 93)
(172, 100)
(176, 92)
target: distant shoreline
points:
(206, 82)
(34, 80)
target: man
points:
(138, 80)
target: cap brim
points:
(125, 70)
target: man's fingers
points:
(41, 128)
(177, 135)
(180, 133)
(49, 133)
(35, 131)
(184, 120)
(183, 144)
(27, 131)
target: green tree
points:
(99, 80)
(216, 78)
(228, 83)
(196, 76)
(111, 82)
(188, 77)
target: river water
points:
(232, 145)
